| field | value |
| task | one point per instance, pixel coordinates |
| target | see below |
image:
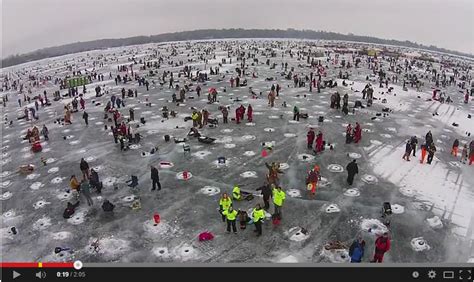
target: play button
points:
(16, 274)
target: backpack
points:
(68, 212)
(276, 220)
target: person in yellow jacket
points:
(75, 185)
(257, 216)
(224, 204)
(236, 193)
(279, 197)
(230, 215)
(195, 117)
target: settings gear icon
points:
(432, 274)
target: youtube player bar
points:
(76, 271)
(37, 265)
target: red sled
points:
(36, 147)
(206, 236)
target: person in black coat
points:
(267, 193)
(338, 101)
(155, 178)
(95, 182)
(429, 138)
(414, 143)
(84, 166)
(352, 170)
(431, 152)
(408, 149)
(85, 116)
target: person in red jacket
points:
(249, 113)
(382, 245)
(83, 103)
(237, 115)
(357, 133)
(310, 138)
(242, 112)
(319, 142)
(123, 129)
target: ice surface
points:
(430, 203)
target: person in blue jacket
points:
(356, 251)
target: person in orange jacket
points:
(75, 186)
(423, 153)
(454, 150)
(312, 180)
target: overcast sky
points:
(28, 25)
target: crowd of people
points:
(125, 131)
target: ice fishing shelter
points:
(77, 81)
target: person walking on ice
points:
(414, 143)
(356, 250)
(267, 193)
(257, 216)
(408, 149)
(84, 166)
(310, 136)
(431, 152)
(454, 150)
(312, 180)
(86, 191)
(45, 132)
(231, 215)
(155, 178)
(423, 153)
(352, 170)
(224, 203)
(382, 245)
(279, 197)
(85, 116)
(464, 154)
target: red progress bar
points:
(36, 265)
(58, 265)
(19, 264)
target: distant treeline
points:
(210, 34)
